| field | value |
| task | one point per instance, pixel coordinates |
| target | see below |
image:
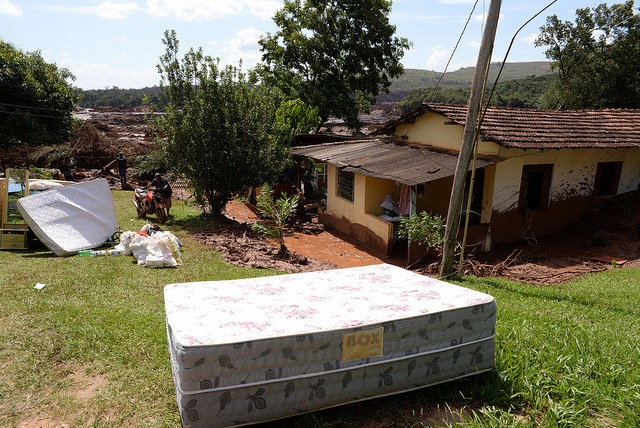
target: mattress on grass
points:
(71, 218)
(259, 349)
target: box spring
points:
(259, 349)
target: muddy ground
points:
(590, 245)
(609, 233)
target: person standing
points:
(67, 169)
(162, 185)
(122, 169)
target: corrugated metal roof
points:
(404, 164)
(542, 129)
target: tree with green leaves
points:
(36, 99)
(424, 228)
(219, 130)
(276, 214)
(336, 55)
(597, 58)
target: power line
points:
(504, 61)
(33, 115)
(444, 72)
(32, 107)
(464, 29)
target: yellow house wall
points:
(574, 172)
(435, 199)
(337, 206)
(431, 128)
(359, 219)
(376, 189)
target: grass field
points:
(89, 349)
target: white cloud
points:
(247, 38)
(92, 76)
(437, 61)
(106, 9)
(456, 1)
(531, 38)
(265, 9)
(197, 10)
(8, 8)
(193, 10)
(244, 46)
(439, 57)
(115, 10)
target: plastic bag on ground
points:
(160, 249)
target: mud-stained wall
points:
(513, 225)
(357, 232)
(571, 191)
(353, 218)
(571, 194)
(574, 172)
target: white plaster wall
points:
(574, 172)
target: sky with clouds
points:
(107, 43)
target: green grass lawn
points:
(90, 348)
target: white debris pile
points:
(152, 249)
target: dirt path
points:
(313, 242)
(609, 233)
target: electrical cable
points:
(32, 107)
(504, 61)
(33, 115)
(444, 72)
(464, 29)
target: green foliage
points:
(218, 128)
(424, 228)
(525, 93)
(277, 213)
(596, 59)
(118, 97)
(294, 117)
(44, 174)
(413, 80)
(334, 55)
(36, 101)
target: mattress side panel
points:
(203, 367)
(247, 404)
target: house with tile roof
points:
(535, 171)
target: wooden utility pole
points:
(468, 138)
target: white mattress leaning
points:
(252, 350)
(71, 218)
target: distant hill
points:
(414, 79)
(409, 83)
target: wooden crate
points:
(13, 239)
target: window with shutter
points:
(535, 187)
(607, 178)
(345, 185)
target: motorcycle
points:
(149, 201)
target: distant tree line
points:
(117, 97)
(523, 93)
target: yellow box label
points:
(362, 344)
